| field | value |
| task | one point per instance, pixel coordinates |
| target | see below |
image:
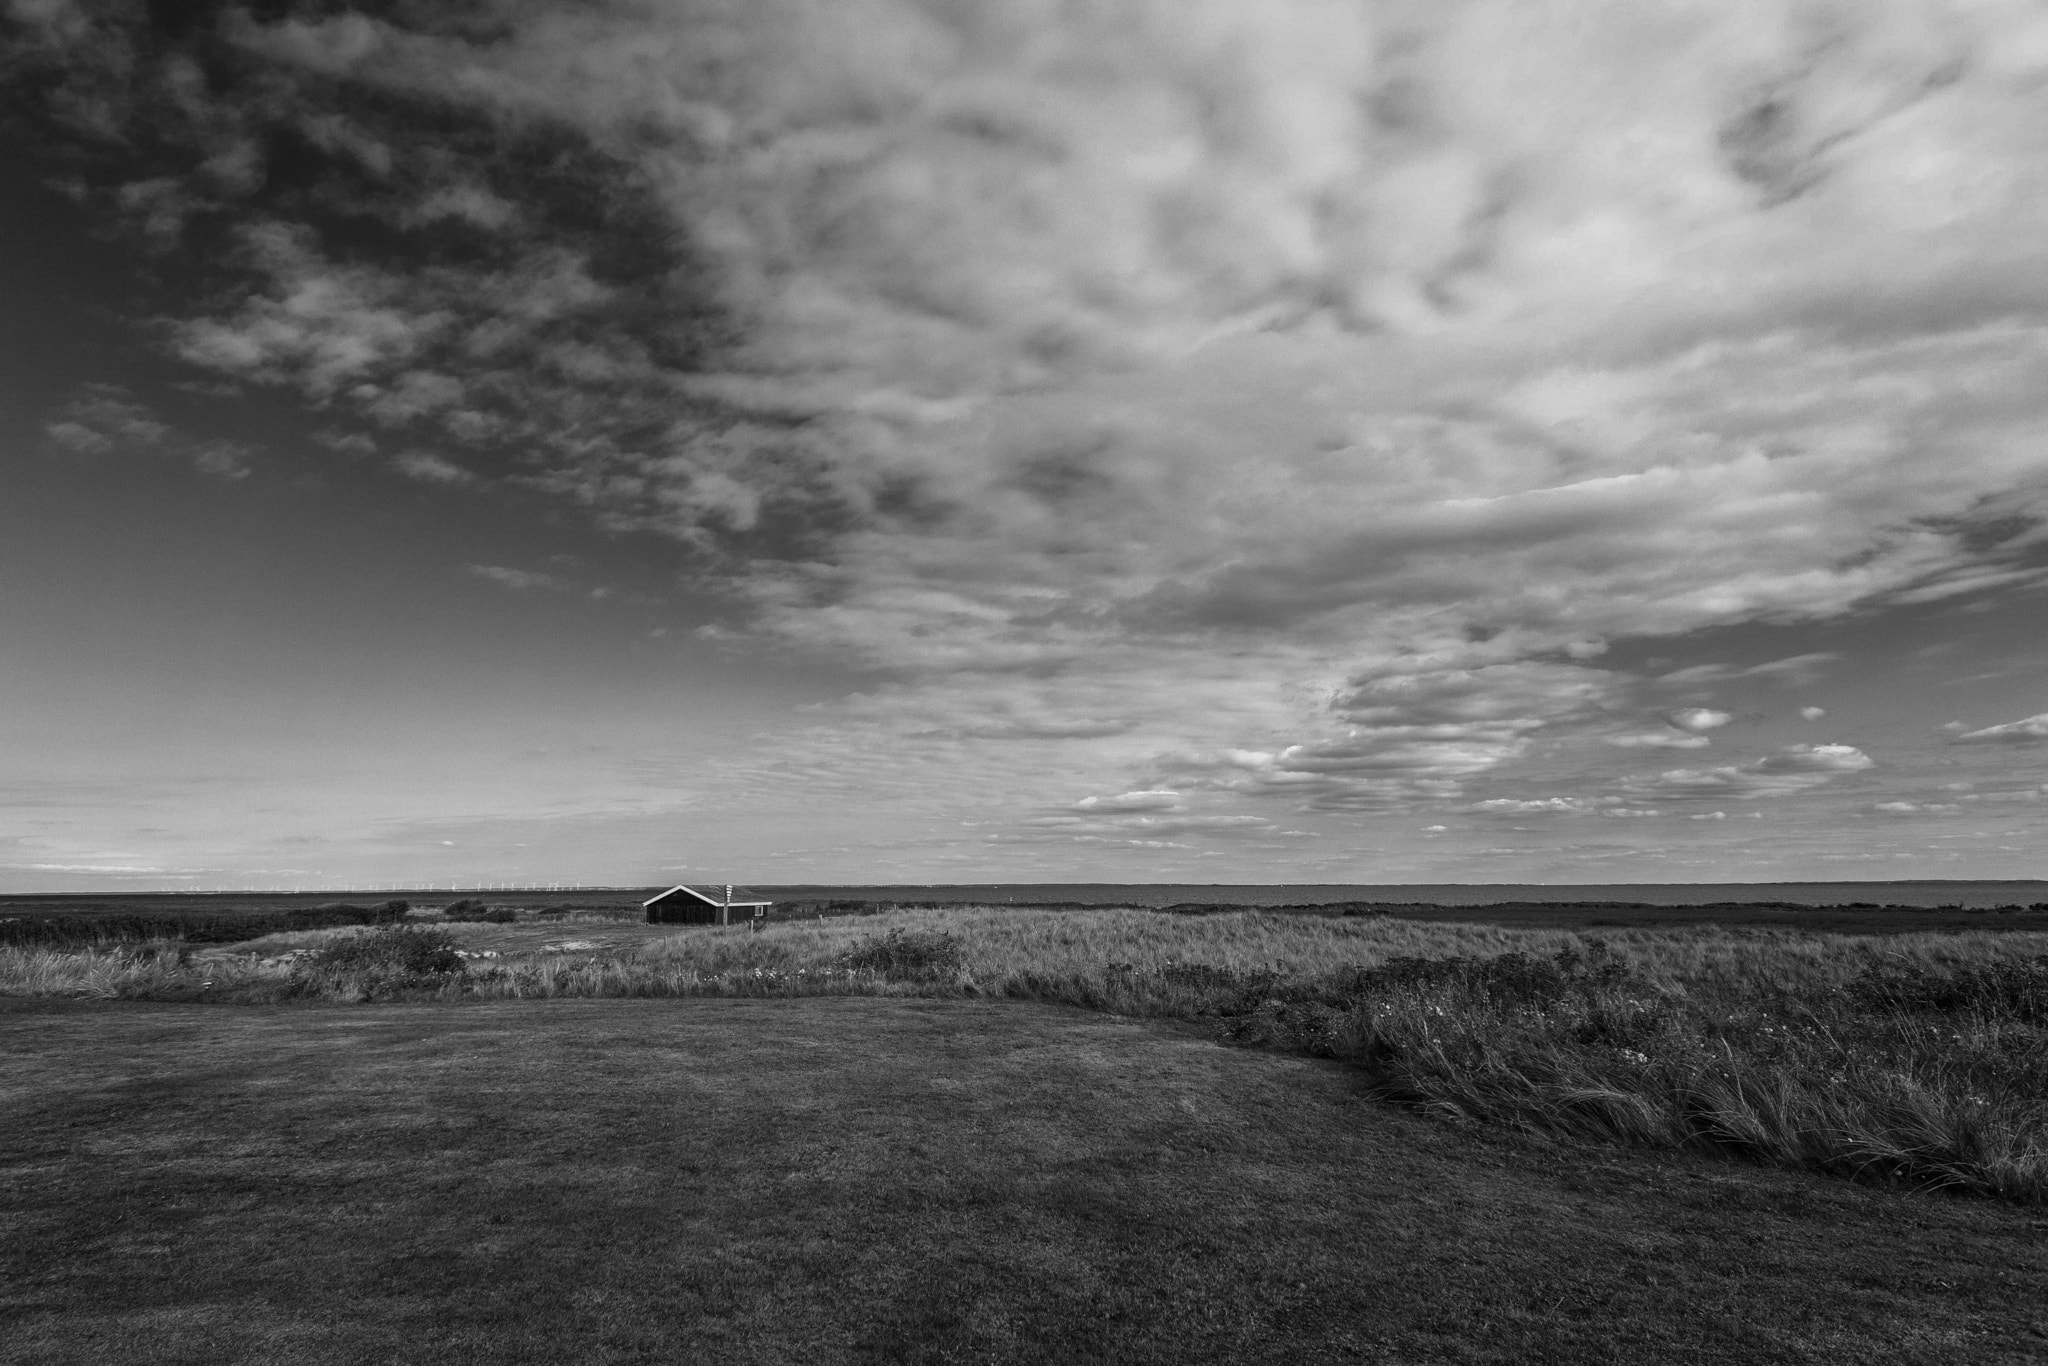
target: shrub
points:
(399, 951)
(471, 909)
(916, 956)
(2018, 990)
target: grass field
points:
(859, 1179)
(1002, 1134)
(1919, 1060)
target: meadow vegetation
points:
(1919, 1060)
(476, 909)
(194, 924)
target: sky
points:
(623, 441)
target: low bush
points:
(473, 910)
(401, 951)
(2018, 990)
(906, 956)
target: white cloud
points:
(1793, 769)
(106, 419)
(1131, 801)
(521, 580)
(430, 468)
(321, 324)
(1657, 739)
(1815, 759)
(1797, 670)
(2031, 731)
(222, 459)
(347, 443)
(2025, 794)
(1136, 825)
(1534, 806)
(1409, 731)
(1684, 730)
(1812, 713)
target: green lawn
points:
(877, 1179)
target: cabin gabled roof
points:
(712, 895)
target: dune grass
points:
(1911, 1059)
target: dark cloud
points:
(437, 272)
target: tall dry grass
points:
(151, 971)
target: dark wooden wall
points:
(682, 909)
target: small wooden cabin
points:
(684, 904)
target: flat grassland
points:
(997, 1134)
(1915, 1059)
(882, 1179)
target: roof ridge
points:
(714, 893)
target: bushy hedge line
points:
(473, 909)
(197, 926)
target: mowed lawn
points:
(861, 1179)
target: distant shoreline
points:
(1925, 892)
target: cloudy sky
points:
(956, 440)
